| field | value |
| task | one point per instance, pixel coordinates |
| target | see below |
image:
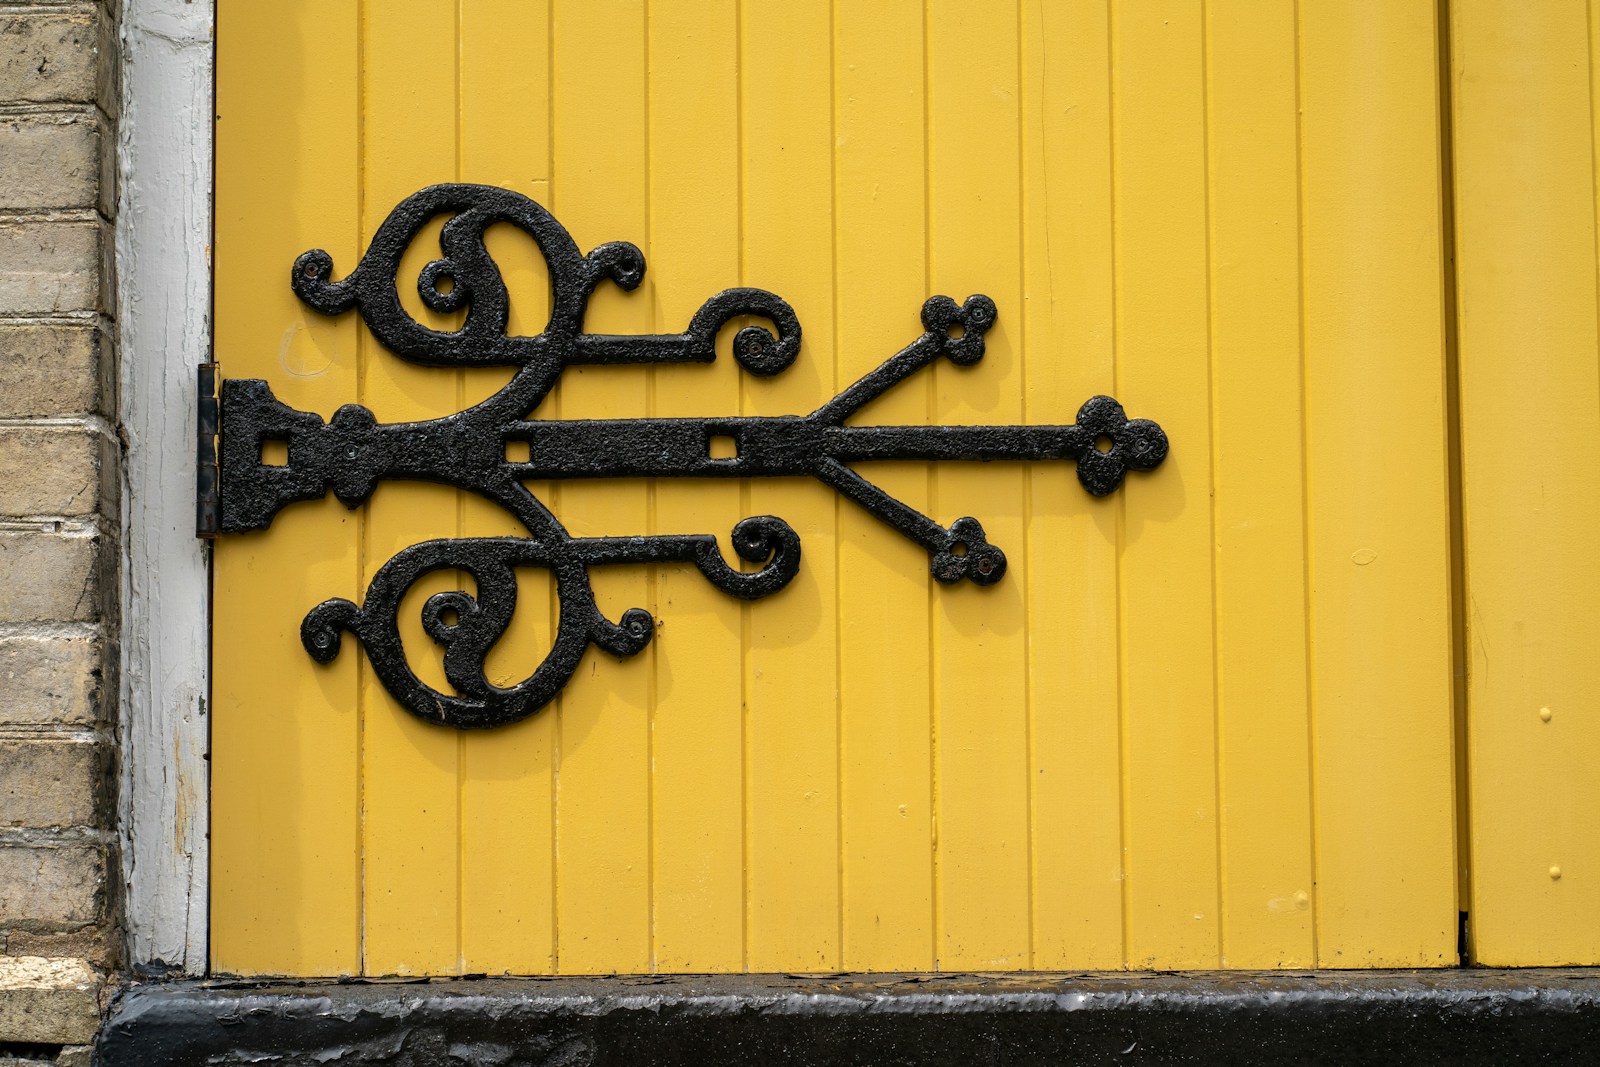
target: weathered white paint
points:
(164, 277)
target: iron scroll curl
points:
(352, 453)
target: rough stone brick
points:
(93, 943)
(76, 1056)
(49, 679)
(56, 470)
(108, 182)
(48, 1002)
(50, 577)
(49, 161)
(54, 370)
(108, 74)
(51, 782)
(51, 266)
(64, 885)
(53, 888)
(48, 56)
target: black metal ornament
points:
(353, 452)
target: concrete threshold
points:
(1362, 1017)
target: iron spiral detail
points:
(352, 453)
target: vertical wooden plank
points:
(600, 189)
(285, 851)
(791, 682)
(505, 96)
(1377, 485)
(697, 728)
(410, 769)
(979, 638)
(1263, 733)
(1163, 359)
(507, 868)
(1525, 237)
(880, 278)
(1071, 565)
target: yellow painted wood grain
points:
(1069, 335)
(600, 190)
(879, 193)
(979, 659)
(1375, 455)
(507, 777)
(697, 721)
(1263, 723)
(287, 854)
(793, 781)
(410, 774)
(1161, 258)
(1524, 128)
(1204, 722)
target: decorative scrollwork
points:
(468, 626)
(352, 452)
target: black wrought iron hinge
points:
(353, 452)
(207, 507)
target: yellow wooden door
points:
(1524, 127)
(1203, 722)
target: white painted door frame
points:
(164, 320)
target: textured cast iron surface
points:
(352, 452)
(1440, 1017)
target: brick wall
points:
(59, 480)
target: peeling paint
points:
(164, 273)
